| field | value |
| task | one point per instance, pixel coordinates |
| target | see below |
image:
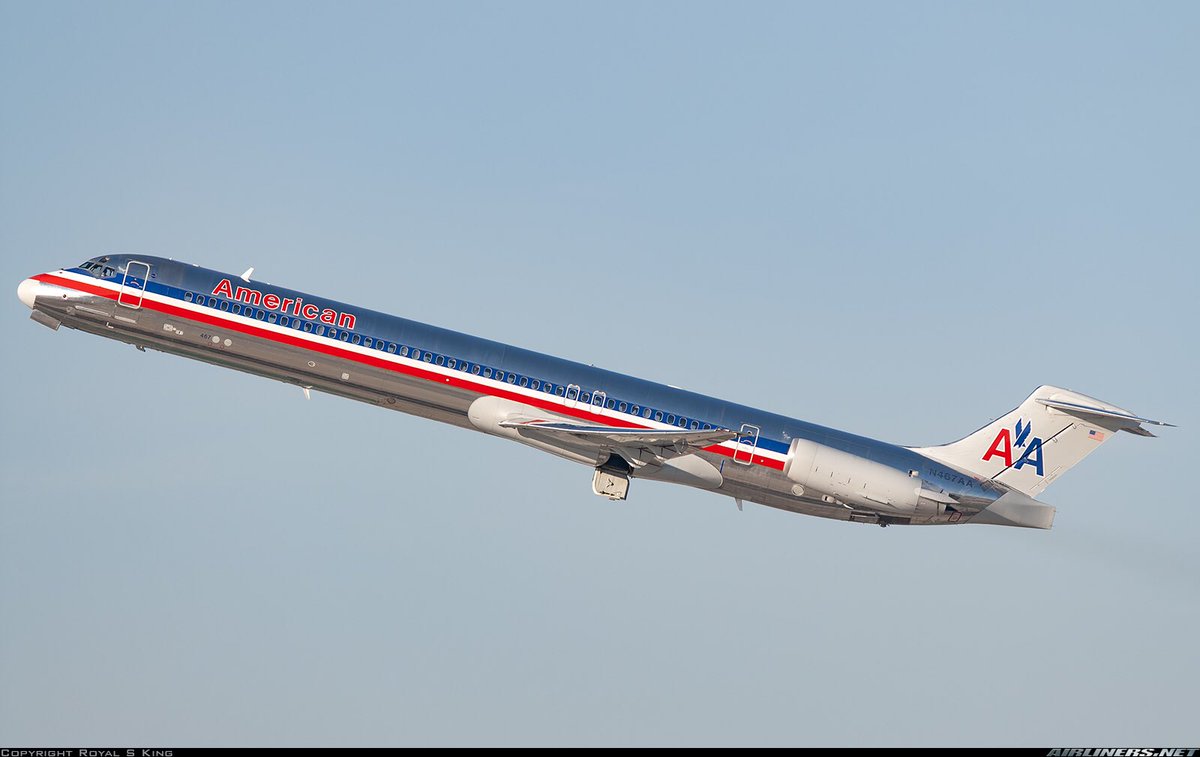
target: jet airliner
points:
(621, 427)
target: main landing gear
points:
(612, 478)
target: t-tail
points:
(1030, 447)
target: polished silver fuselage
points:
(151, 313)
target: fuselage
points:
(401, 364)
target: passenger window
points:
(427, 357)
(308, 326)
(357, 339)
(451, 363)
(499, 375)
(635, 410)
(611, 404)
(548, 388)
(585, 398)
(682, 423)
(368, 342)
(272, 318)
(535, 385)
(475, 369)
(225, 306)
(344, 336)
(237, 308)
(188, 297)
(524, 381)
(487, 372)
(260, 315)
(511, 378)
(392, 348)
(646, 412)
(671, 419)
(707, 427)
(283, 320)
(658, 415)
(558, 390)
(695, 425)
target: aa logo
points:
(1006, 441)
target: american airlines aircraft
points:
(620, 426)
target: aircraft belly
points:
(295, 365)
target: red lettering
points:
(311, 311)
(286, 301)
(271, 301)
(253, 296)
(296, 306)
(345, 321)
(224, 288)
(328, 316)
(1001, 446)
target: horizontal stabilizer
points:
(1125, 421)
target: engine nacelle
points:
(857, 481)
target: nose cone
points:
(27, 291)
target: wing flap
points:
(661, 443)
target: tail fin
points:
(1033, 445)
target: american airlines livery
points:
(620, 426)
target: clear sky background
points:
(893, 218)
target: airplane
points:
(620, 426)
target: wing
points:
(634, 444)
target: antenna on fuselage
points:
(246, 275)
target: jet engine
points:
(860, 483)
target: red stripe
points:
(453, 380)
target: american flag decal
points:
(1096, 436)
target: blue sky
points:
(896, 219)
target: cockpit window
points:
(100, 267)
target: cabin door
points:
(133, 285)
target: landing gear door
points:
(133, 285)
